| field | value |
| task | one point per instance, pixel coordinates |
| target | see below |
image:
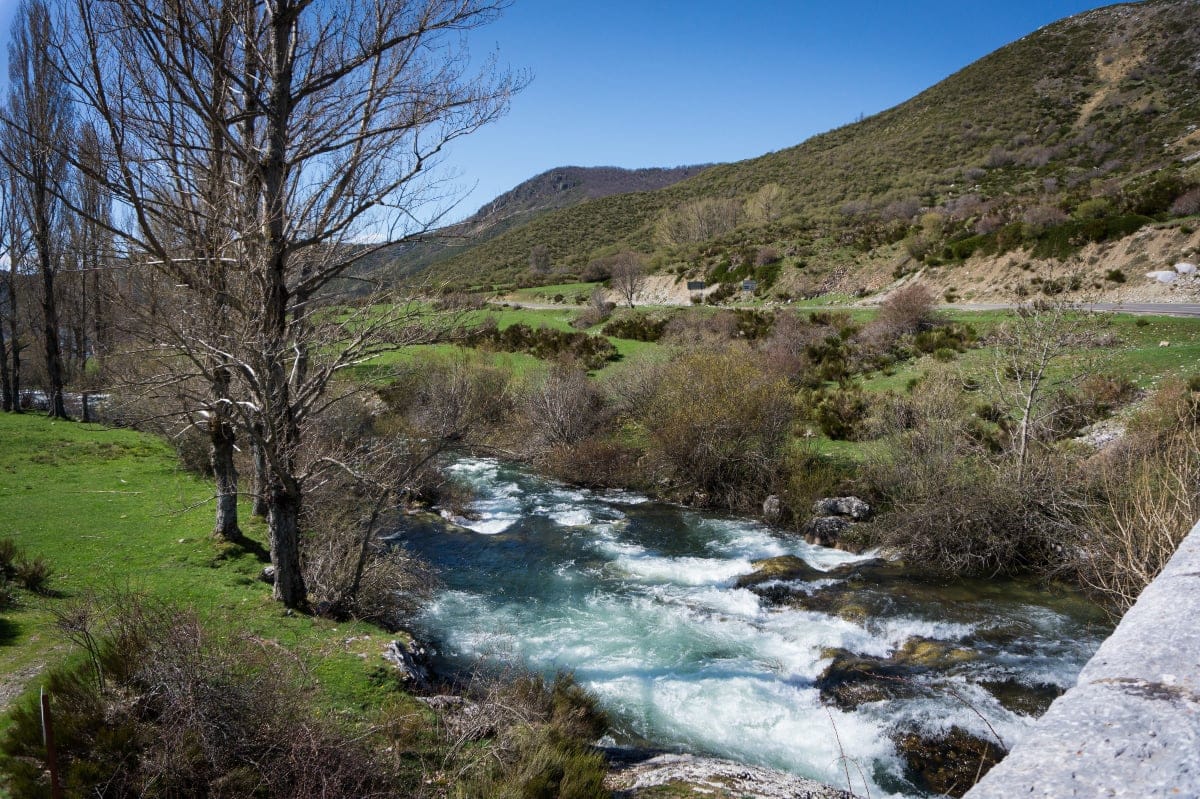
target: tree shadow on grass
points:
(9, 630)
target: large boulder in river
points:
(947, 764)
(784, 567)
(848, 507)
(825, 531)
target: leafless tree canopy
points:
(628, 276)
(245, 155)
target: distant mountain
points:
(1091, 118)
(561, 187)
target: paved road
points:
(1156, 308)
(1143, 308)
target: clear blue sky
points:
(638, 83)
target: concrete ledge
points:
(1131, 725)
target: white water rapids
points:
(637, 598)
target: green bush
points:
(546, 343)
(840, 413)
(636, 327)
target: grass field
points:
(110, 509)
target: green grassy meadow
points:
(110, 509)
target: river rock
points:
(267, 575)
(946, 764)
(772, 509)
(929, 654)
(410, 659)
(784, 567)
(687, 776)
(851, 680)
(849, 507)
(1018, 697)
(825, 530)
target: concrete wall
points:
(1131, 725)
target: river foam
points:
(638, 599)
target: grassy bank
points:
(110, 509)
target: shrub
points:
(1115, 276)
(547, 343)
(766, 255)
(637, 327)
(562, 408)
(721, 420)
(840, 413)
(160, 707)
(594, 462)
(34, 574)
(954, 507)
(194, 451)
(908, 309)
(1187, 204)
(10, 553)
(1149, 489)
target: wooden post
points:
(51, 751)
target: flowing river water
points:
(638, 599)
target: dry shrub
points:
(953, 507)
(722, 420)
(1149, 490)
(180, 712)
(908, 309)
(1149, 506)
(1187, 203)
(1043, 217)
(594, 462)
(562, 408)
(539, 741)
(630, 388)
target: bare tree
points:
(766, 205)
(1026, 352)
(330, 116)
(539, 259)
(628, 276)
(16, 246)
(39, 123)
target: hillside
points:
(561, 187)
(1078, 133)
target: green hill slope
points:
(1100, 108)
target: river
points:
(637, 598)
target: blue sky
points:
(638, 83)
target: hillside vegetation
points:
(1081, 132)
(561, 187)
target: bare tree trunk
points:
(50, 330)
(261, 476)
(283, 521)
(5, 380)
(15, 346)
(223, 439)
